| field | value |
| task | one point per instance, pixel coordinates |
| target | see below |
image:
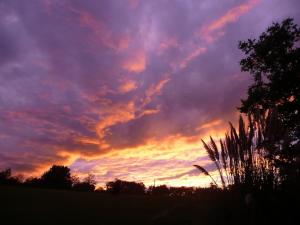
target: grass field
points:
(38, 206)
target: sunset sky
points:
(123, 88)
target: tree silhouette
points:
(58, 177)
(88, 184)
(273, 61)
(159, 190)
(125, 187)
(6, 178)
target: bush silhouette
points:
(247, 156)
(7, 179)
(125, 187)
(58, 177)
(88, 184)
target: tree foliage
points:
(88, 184)
(57, 177)
(274, 62)
(125, 187)
(6, 178)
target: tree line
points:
(60, 177)
(57, 177)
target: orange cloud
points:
(69, 157)
(114, 114)
(210, 124)
(136, 63)
(150, 111)
(128, 86)
(155, 90)
(123, 112)
(87, 140)
(168, 160)
(211, 32)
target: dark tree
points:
(4, 176)
(7, 179)
(125, 187)
(58, 177)
(274, 62)
(114, 187)
(88, 184)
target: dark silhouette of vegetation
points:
(159, 190)
(264, 154)
(58, 177)
(5, 175)
(7, 179)
(207, 206)
(33, 182)
(125, 187)
(164, 190)
(88, 184)
(182, 191)
(203, 170)
(248, 155)
(273, 61)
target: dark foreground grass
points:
(21, 205)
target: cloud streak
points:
(216, 29)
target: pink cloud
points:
(191, 56)
(216, 29)
(135, 63)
